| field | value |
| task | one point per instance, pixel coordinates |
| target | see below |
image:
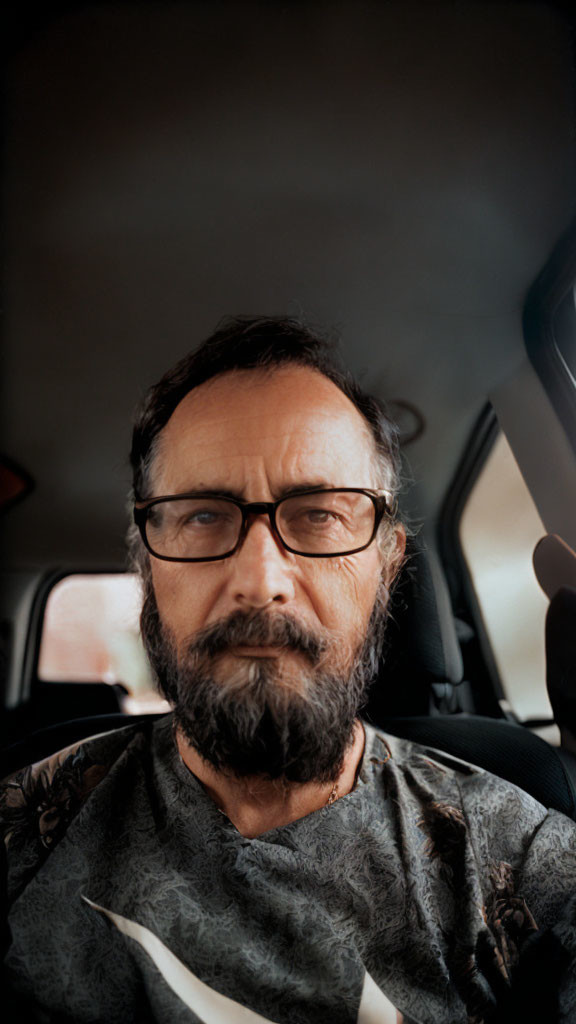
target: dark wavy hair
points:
(251, 343)
(255, 343)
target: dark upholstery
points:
(561, 662)
(52, 703)
(43, 742)
(422, 647)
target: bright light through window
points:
(91, 634)
(499, 530)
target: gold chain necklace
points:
(333, 794)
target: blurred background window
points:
(499, 530)
(91, 634)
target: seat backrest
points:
(44, 742)
(421, 648)
(422, 653)
(53, 703)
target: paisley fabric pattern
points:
(433, 889)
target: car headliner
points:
(400, 171)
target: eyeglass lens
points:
(324, 523)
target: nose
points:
(262, 569)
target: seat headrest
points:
(422, 645)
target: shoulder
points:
(494, 810)
(479, 826)
(38, 802)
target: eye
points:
(315, 517)
(205, 517)
(192, 516)
(320, 515)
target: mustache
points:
(258, 628)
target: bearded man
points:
(262, 855)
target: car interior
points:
(400, 172)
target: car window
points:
(91, 634)
(499, 530)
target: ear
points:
(394, 554)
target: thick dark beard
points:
(258, 721)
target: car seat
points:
(421, 666)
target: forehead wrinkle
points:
(310, 437)
(243, 387)
(333, 427)
(250, 423)
(239, 470)
(284, 466)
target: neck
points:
(256, 804)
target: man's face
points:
(257, 436)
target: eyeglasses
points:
(200, 527)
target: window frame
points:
(458, 575)
(27, 670)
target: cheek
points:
(345, 590)
(182, 602)
(363, 586)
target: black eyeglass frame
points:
(379, 498)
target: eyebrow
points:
(311, 485)
(285, 492)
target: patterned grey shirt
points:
(433, 893)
